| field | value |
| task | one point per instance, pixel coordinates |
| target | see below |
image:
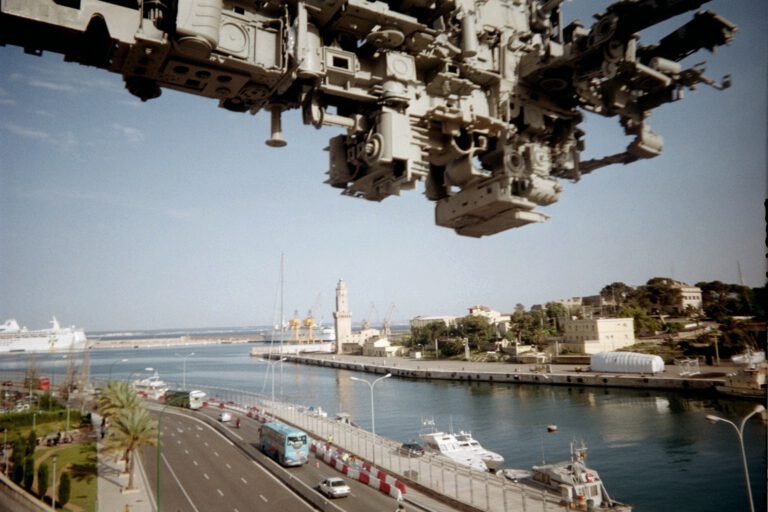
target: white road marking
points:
(173, 473)
(244, 480)
(194, 462)
(206, 476)
(265, 500)
(215, 453)
(220, 493)
(228, 466)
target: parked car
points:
(334, 487)
(225, 417)
(411, 450)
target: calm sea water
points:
(653, 449)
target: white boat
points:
(461, 448)
(15, 338)
(150, 387)
(748, 358)
(576, 484)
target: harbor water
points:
(653, 449)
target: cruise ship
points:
(14, 338)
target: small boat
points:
(150, 387)
(461, 448)
(749, 358)
(749, 382)
(576, 484)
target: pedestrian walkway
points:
(112, 482)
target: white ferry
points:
(15, 338)
(151, 387)
(461, 448)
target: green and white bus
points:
(187, 399)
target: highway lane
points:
(201, 470)
(363, 498)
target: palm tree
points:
(117, 396)
(131, 430)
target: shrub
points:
(29, 449)
(17, 475)
(64, 489)
(29, 472)
(43, 475)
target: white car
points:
(225, 417)
(334, 487)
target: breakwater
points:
(562, 375)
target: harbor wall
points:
(607, 380)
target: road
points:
(201, 470)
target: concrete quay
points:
(513, 373)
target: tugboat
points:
(578, 486)
(749, 381)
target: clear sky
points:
(117, 214)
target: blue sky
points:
(117, 214)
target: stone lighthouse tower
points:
(342, 317)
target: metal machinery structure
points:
(479, 99)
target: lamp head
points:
(712, 418)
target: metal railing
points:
(483, 491)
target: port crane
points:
(479, 100)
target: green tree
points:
(617, 294)
(31, 443)
(131, 430)
(452, 347)
(477, 329)
(65, 489)
(43, 475)
(644, 324)
(17, 459)
(556, 313)
(29, 472)
(430, 332)
(664, 297)
(117, 396)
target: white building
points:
(593, 335)
(494, 317)
(689, 296)
(380, 347)
(422, 321)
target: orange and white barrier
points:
(362, 472)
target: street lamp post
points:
(373, 417)
(157, 486)
(53, 494)
(113, 364)
(740, 433)
(184, 370)
(5, 450)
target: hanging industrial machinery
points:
(479, 99)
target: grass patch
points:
(80, 460)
